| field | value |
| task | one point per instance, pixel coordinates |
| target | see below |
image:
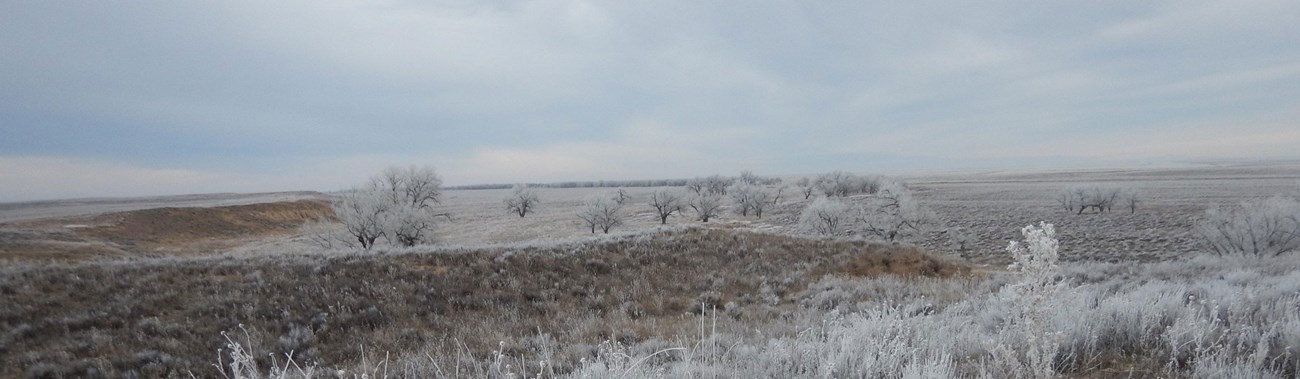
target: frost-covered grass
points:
(625, 306)
(164, 317)
(1206, 317)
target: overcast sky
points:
(105, 98)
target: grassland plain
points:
(737, 297)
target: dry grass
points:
(155, 232)
(160, 318)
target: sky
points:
(171, 97)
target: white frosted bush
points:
(892, 214)
(1255, 228)
(825, 216)
(1036, 261)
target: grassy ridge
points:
(168, 231)
(165, 318)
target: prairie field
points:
(228, 286)
(635, 190)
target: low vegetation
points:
(166, 318)
(1204, 318)
(1257, 228)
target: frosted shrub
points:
(1037, 257)
(824, 216)
(1036, 261)
(244, 365)
(893, 214)
(843, 184)
(1256, 228)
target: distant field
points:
(989, 206)
(992, 206)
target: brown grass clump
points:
(165, 318)
(900, 261)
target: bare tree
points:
(695, 186)
(1066, 199)
(410, 226)
(1131, 199)
(396, 205)
(805, 187)
(522, 200)
(740, 194)
(749, 178)
(1255, 228)
(600, 212)
(867, 185)
(364, 215)
(759, 199)
(776, 196)
(840, 183)
(711, 185)
(750, 198)
(893, 214)
(717, 185)
(834, 183)
(416, 187)
(706, 206)
(825, 216)
(620, 197)
(1101, 199)
(666, 202)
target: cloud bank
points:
(181, 97)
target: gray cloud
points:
(559, 90)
